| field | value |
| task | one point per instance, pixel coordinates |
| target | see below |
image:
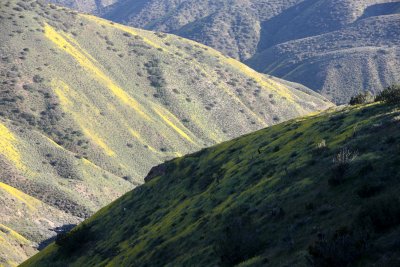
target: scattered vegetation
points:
(341, 164)
(362, 98)
(58, 97)
(238, 240)
(75, 240)
(237, 203)
(343, 248)
(390, 95)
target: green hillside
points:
(88, 106)
(320, 190)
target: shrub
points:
(341, 163)
(238, 240)
(381, 214)
(71, 242)
(320, 148)
(390, 95)
(343, 248)
(369, 190)
(361, 98)
(37, 78)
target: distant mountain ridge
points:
(254, 32)
(88, 6)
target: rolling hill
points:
(316, 191)
(88, 6)
(313, 42)
(362, 55)
(88, 106)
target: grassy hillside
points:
(27, 219)
(88, 106)
(319, 190)
(321, 44)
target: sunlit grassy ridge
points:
(12, 247)
(87, 106)
(7, 147)
(273, 197)
(27, 219)
(70, 187)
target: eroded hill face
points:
(88, 107)
(282, 38)
(88, 6)
(363, 55)
(318, 190)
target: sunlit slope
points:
(135, 96)
(275, 197)
(36, 165)
(27, 219)
(14, 248)
(42, 187)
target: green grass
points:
(270, 190)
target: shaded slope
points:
(261, 199)
(87, 106)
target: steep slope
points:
(264, 33)
(27, 219)
(232, 27)
(44, 188)
(363, 55)
(87, 106)
(320, 190)
(89, 6)
(242, 28)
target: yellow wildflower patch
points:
(89, 64)
(173, 122)
(30, 202)
(8, 148)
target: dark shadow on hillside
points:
(381, 10)
(57, 230)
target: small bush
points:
(343, 248)
(238, 240)
(320, 148)
(361, 98)
(390, 95)
(341, 163)
(37, 79)
(381, 214)
(73, 241)
(369, 190)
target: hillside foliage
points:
(262, 199)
